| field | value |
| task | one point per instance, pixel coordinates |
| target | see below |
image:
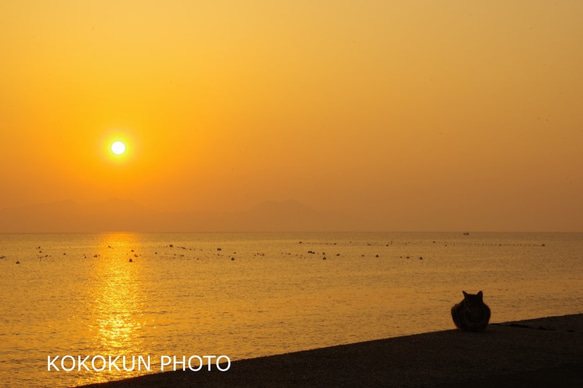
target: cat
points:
(471, 314)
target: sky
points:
(416, 115)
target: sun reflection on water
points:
(118, 299)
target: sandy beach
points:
(533, 353)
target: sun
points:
(118, 148)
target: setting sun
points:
(118, 148)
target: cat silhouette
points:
(471, 314)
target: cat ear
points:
(465, 294)
(480, 295)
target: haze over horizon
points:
(422, 115)
(119, 215)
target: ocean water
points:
(249, 295)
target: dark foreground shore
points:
(534, 353)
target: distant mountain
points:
(125, 215)
(294, 216)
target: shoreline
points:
(536, 353)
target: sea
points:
(81, 300)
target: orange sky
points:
(420, 115)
